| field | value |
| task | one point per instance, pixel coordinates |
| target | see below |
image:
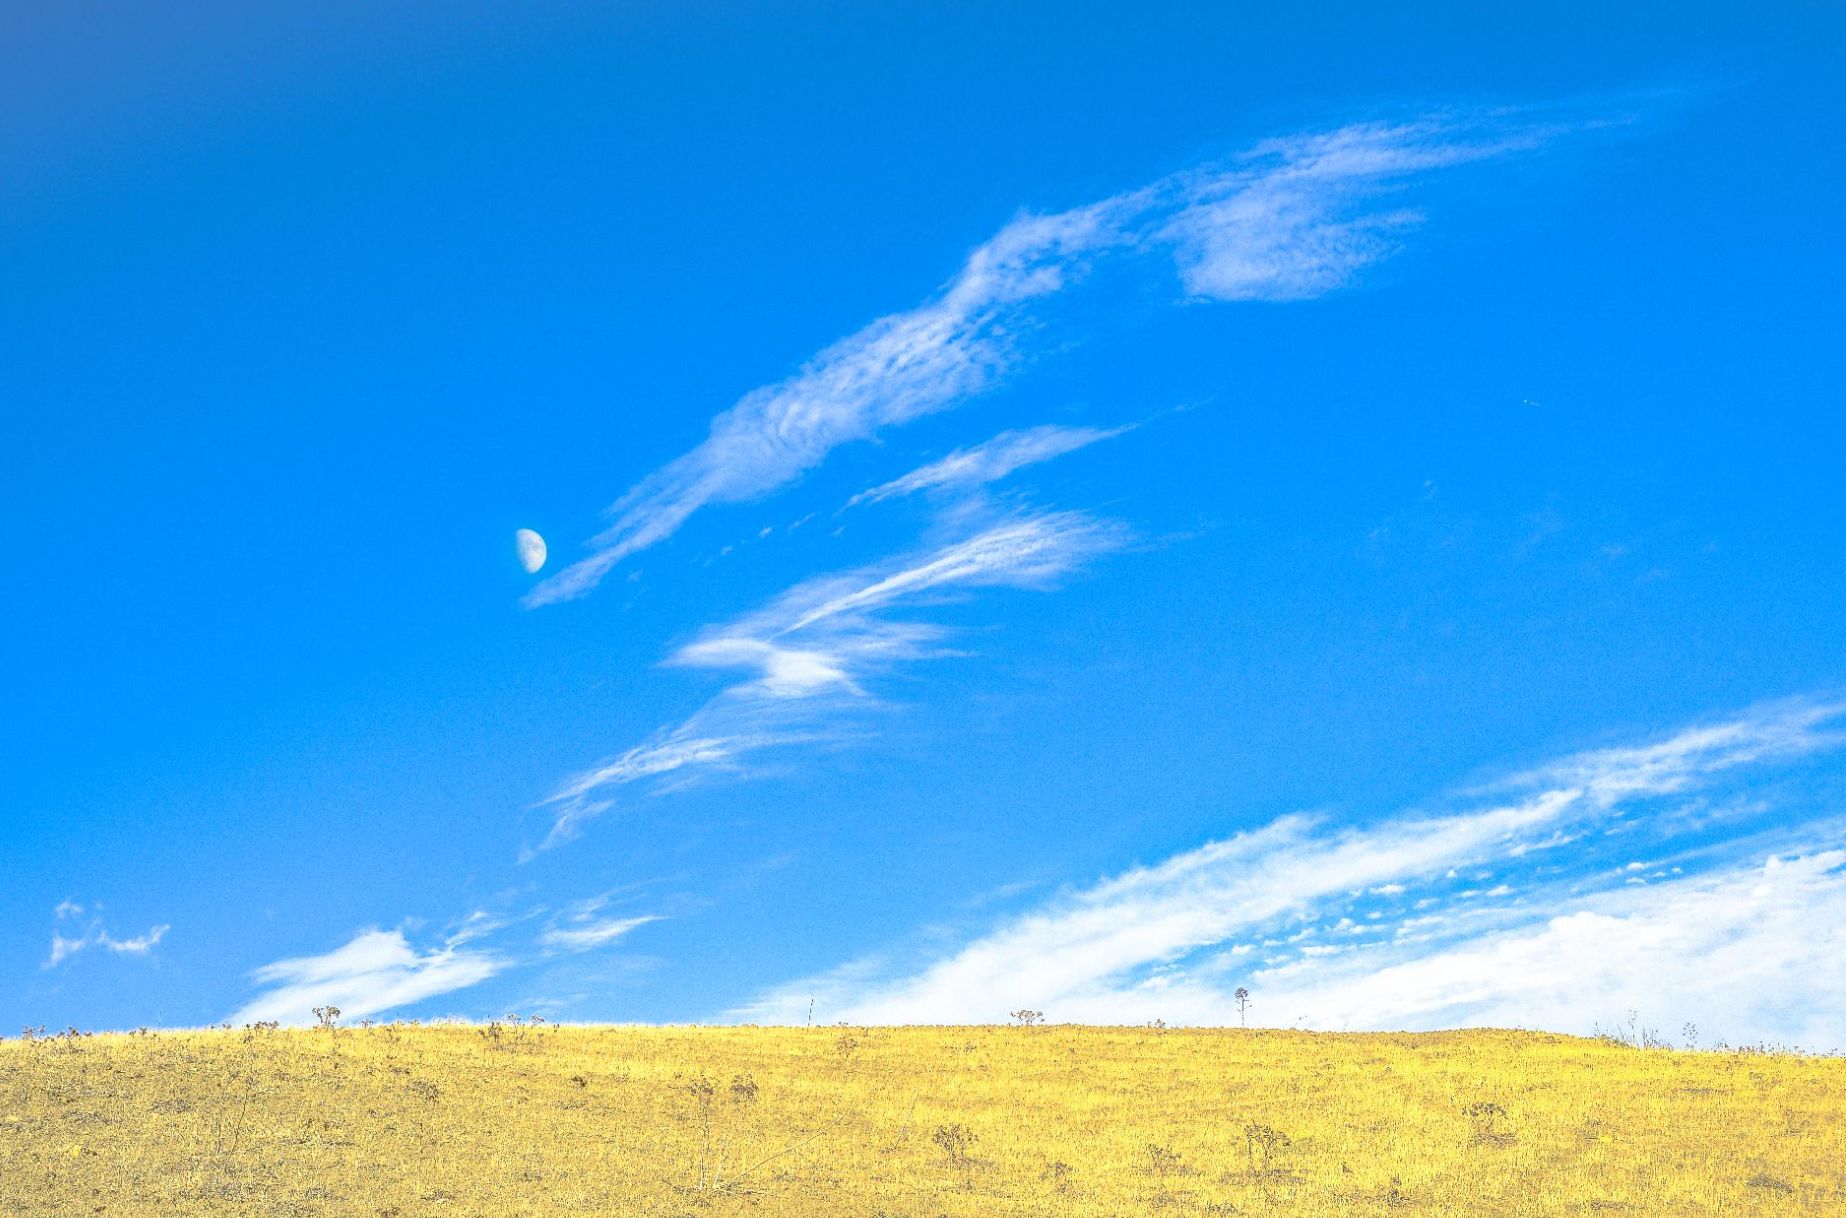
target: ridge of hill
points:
(522, 1118)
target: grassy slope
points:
(402, 1121)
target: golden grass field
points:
(399, 1121)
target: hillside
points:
(402, 1121)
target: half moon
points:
(531, 549)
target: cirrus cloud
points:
(1289, 219)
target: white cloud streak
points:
(897, 369)
(990, 461)
(1288, 223)
(590, 935)
(382, 970)
(1329, 925)
(808, 654)
(376, 971)
(1290, 219)
(73, 933)
(578, 928)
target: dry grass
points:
(403, 1121)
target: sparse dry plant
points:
(1261, 1144)
(1486, 1119)
(958, 1145)
(1162, 1161)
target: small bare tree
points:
(1027, 1019)
(1243, 1006)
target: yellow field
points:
(401, 1121)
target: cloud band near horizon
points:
(1581, 890)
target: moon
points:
(531, 548)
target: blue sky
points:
(1072, 510)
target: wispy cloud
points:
(1608, 776)
(897, 369)
(579, 928)
(1429, 920)
(808, 654)
(591, 934)
(377, 971)
(1299, 217)
(76, 929)
(990, 461)
(384, 970)
(1289, 219)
